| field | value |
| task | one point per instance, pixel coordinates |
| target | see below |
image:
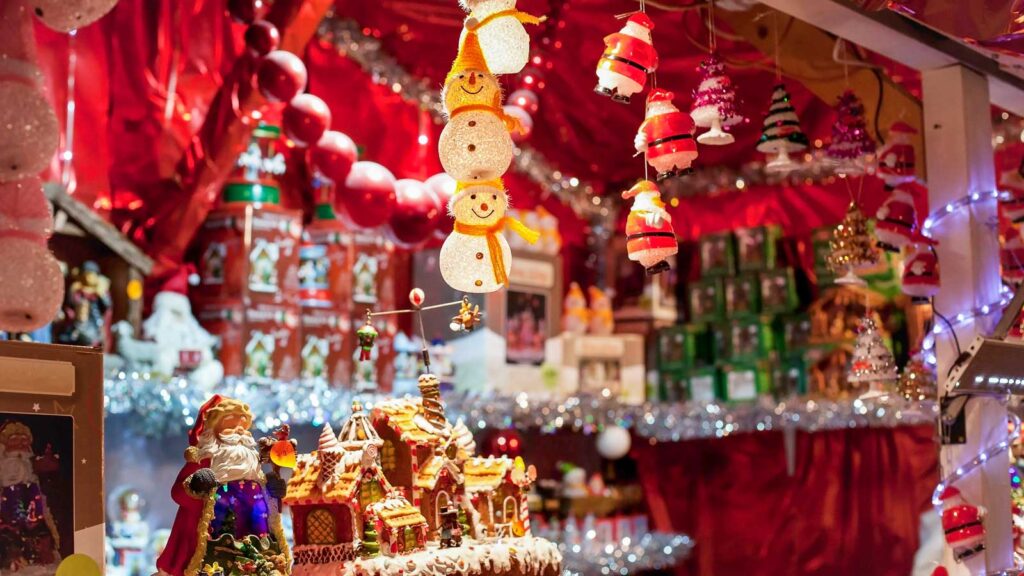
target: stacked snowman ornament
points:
(476, 148)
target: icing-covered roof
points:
(401, 414)
(433, 469)
(483, 474)
(396, 512)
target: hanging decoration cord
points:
(418, 310)
(713, 40)
(775, 39)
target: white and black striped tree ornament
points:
(781, 133)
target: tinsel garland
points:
(655, 551)
(716, 90)
(160, 407)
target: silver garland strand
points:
(654, 551)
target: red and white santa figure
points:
(921, 270)
(896, 161)
(650, 238)
(1011, 254)
(963, 524)
(628, 58)
(1012, 182)
(896, 221)
(666, 136)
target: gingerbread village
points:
(399, 491)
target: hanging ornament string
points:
(775, 36)
(68, 155)
(713, 39)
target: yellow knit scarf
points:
(493, 245)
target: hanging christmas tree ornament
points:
(525, 99)
(333, 156)
(475, 144)
(368, 197)
(281, 76)
(714, 103)
(613, 442)
(963, 523)
(476, 257)
(896, 162)
(503, 39)
(415, 216)
(781, 134)
(68, 15)
(851, 142)
(525, 123)
(921, 270)
(872, 367)
(851, 247)
(896, 221)
(305, 119)
(367, 337)
(918, 380)
(650, 238)
(262, 37)
(628, 58)
(443, 187)
(666, 136)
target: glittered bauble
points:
(78, 565)
(368, 197)
(31, 284)
(525, 99)
(443, 186)
(28, 126)
(666, 136)
(245, 11)
(503, 39)
(871, 366)
(68, 15)
(781, 133)
(475, 146)
(262, 37)
(333, 156)
(281, 76)
(614, 442)
(305, 119)
(714, 103)
(851, 247)
(650, 238)
(851, 142)
(917, 381)
(525, 123)
(417, 211)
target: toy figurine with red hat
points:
(650, 238)
(896, 159)
(963, 524)
(628, 58)
(1012, 181)
(896, 221)
(1011, 254)
(666, 136)
(227, 507)
(921, 270)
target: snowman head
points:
(471, 87)
(482, 204)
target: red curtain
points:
(851, 508)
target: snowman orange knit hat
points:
(470, 57)
(463, 188)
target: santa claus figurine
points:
(896, 221)
(628, 58)
(1012, 181)
(921, 270)
(1011, 254)
(666, 136)
(28, 537)
(224, 498)
(963, 524)
(896, 159)
(650, 238)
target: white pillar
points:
(958, 146)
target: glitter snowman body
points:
(475, 146)
(504, 40)
(466, 264)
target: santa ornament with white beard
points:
(183, 345)
(628, 58)
(28, 536)
(223, 495)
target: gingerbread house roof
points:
(333, 472)
(358, 431)
(485, 474)
(396, 512)
(435, 467)
(402, 415)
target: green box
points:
(790, 377)
(756, 248)
(673, 386)
(750, 340)
(778, 291)
(704, 384)
(706, 299)
(745, 381)
(719, 342)
(683, 347)
(717, 255)
(794, 334)
(742, 296)
(821, 239)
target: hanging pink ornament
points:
(525, 99)
(851, 142)
(262, 37)
(333, 156)
(525, 123)
(714, 103)
(368, 197)
(443, 187)
(245, 11)
(68, 15)
(305, 119)
(281, 76)
(417, 211)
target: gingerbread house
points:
(401, 526)
(497, 490)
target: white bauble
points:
(475, 146)
(614, 442)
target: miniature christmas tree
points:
(714, 105)
(432, 408)
(781, 133)
(917, 382)
(464, 521)
(851, 247)
(850, 139)
(371, 543)
(872, 363)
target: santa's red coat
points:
(636, 226)
(669, 134)
(623, 51)
(181, 546)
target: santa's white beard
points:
(232, 456)
(16, 468)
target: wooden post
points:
(958, 146)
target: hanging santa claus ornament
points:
(666, 136)
(1012, 203)
(1011, 254)
(476, 257)
(963, 524)
(781, 133)
(896, 221)
(650, 238)
(714, 103)
(921, 270)
(503, 38)
(628, 58)
(896, 159)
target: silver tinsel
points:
(654, 551)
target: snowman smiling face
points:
(480, 206)
(472, 87)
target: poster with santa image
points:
(36, 485)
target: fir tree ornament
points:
(714, 105)
(917, 381)
(871, 366)
(781, 133)
(628, 58)
(851, 247)
(851, 142)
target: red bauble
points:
(281, 76)
(262, 37)
(525, 122)
(443, 186)
(245, 11)
(333, 156)
(417, 211)
(525, 99)
(368, 197)
(305, 119)
(504, 443)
